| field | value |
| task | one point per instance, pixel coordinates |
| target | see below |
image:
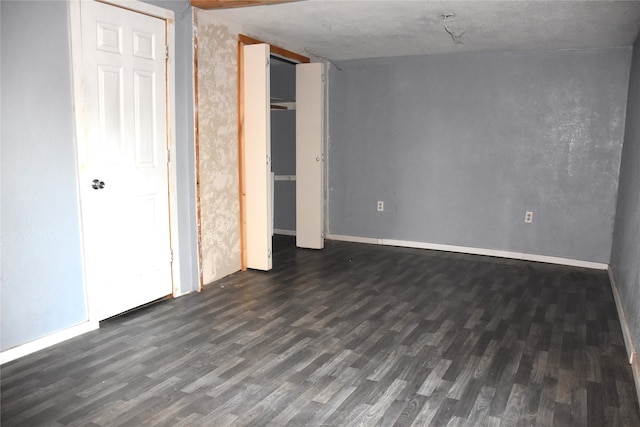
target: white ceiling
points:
(343, 29)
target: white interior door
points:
(123, 159)
(257, 156)
(309, 156)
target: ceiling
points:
(342, 29)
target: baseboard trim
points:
(470, 250)
(284, 232)
(632, 355)
(44, 342)
(353, 239)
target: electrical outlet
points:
(528, 217)
(380, 206)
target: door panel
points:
(309, 156)
(145, 123)
(126, 223)
(257, 152)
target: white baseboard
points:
(632, 355)
(469, 250)
(284, 232)
(354, 239)
(44, 342)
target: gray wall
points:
(42, 283)
(41, 266)
(283, 79)
(625, 255)
(283, 144)
(459, 146)
(283, 154)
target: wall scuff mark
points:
(456, 36)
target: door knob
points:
(97, 184)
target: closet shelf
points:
(282, 104)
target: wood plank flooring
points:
(350, 335)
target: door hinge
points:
(171, 253)
(268, 159)
(166, 52)
(268, 61)
(323, 77)
(168, 156)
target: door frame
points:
(75, 25)
(277, 52)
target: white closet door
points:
(309, 156)
(257, 153)
(123, 159)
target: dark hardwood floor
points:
(350, 335)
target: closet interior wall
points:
(283, 144)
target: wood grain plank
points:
(354, 334)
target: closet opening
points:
(283, 152)
(283, 59)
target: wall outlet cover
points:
(528, 217)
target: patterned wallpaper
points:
(218, 145)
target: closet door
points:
(257, 156)
(309, 156)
